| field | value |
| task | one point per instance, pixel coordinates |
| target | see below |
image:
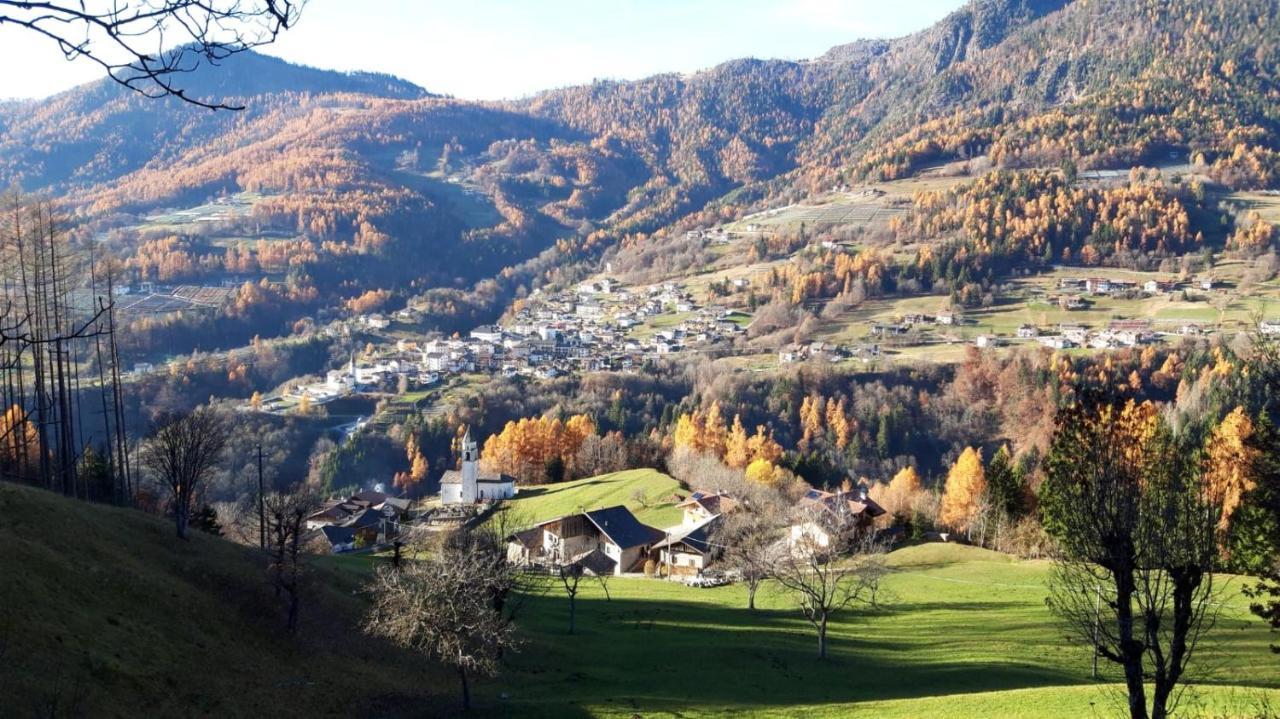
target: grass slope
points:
(963, 632)
(548, 501)
(106, 612)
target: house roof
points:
(368, 497)
(339, 535)
(364, 518)
(857, 502)
(713, 502)
(696, 537)
(454, 476)
(530, 538)
(593, 562)
(622, 528)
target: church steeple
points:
(470, 470)
(469, 453)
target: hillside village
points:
(607, 540)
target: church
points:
(469, 485)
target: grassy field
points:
(535, 504)
(962, 632)
(104, 613)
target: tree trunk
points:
(1131, 650)
(466, 690)
(181, 520)
(751, 596)
(571, 606)
(822, 637)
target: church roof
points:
(453, 476)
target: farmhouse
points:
(469, 485)
(612, 531)
(688, 549)
(701, 506)
(807, 530)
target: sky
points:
(494, 49)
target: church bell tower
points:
(470, 468)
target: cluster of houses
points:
(1103, 286)
(587, 328)
(612, 541)
(603, 541)
(365, 519)
(801, 352)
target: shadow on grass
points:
(672, 656)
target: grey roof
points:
(365, 518)
(622, 528)
(454, 476)
(531, 538)
(593, 562)
(696, 536)
(339, 535)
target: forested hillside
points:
(365, 182)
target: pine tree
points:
(1004, 482)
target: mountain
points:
(100, 131)
(381, 185)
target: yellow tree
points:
(965, 491)
(418, 470)
(1230, 464)
(256, 401)
(714, 431)
(763, 472)
(762, 446)
(838, 423)
(687, 431)
(899, 496)
(811, 409)
(737, 452)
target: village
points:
(597, 541)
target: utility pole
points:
(262, 509)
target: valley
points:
(932, 375)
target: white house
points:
(468, 485)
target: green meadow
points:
(960, 632)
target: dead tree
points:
(182, 455)
(286, 521)
(442, 607)
(748, 536)
(830, 565)
(148, 45)
(46, 340)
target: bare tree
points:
(1136, 546)
(182, 454)
(286, 516)
(749, 535)
(831, 564)
(570, 575)
(443, 607)
(147, 45)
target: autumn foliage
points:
(705, 432)
(965, 491)
(538, 449)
